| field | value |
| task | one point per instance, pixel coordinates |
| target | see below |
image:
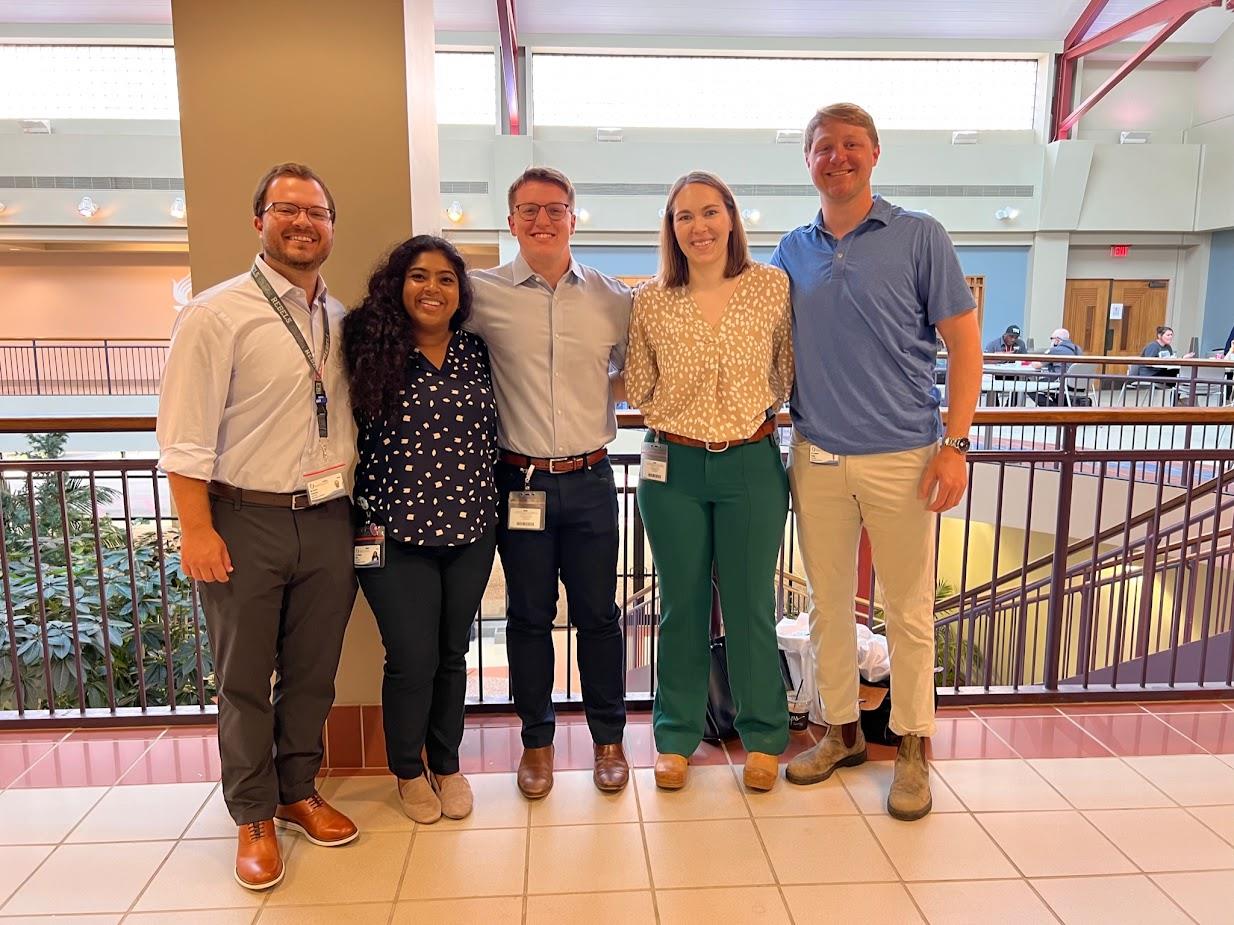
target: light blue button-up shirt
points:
(551, 351)
(864, 310)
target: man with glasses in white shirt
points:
(556, 332)
(257, 439)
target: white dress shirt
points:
(551, 351)
(237, 404)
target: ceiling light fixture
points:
(87, 207)
(1007, 214)
(963, 138)
(609, 134)
(582, 215)
(751, 216)
(454, 212)
(178, 209)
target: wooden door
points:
(976, 285)
(1086, 311)
(1144, 304)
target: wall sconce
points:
(178, 209)
(87, 207)
(582, 215)
(751, 216)
(1007, 214)
(2, 207)
(455, 212)
(662, 212)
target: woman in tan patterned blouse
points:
(710, 361)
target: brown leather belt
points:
(556, 466)
(296, 500)
(719, 446)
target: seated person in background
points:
(1157, 349)
(1062, 345)
(1009, 342)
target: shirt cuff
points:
(194, 462)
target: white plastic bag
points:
(873, 659)
(793, 636)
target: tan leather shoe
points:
(455, 795)
(318, 821)
(419, 801)
(612, 771)
(535, 772)
(671, 771)
(259, 863)
(761, 771)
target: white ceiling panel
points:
(128, 12)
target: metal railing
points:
(1069, 570)
(66, 366)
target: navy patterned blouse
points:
(427, 474)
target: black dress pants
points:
(425, 599)
(579, 544)
(283, 612)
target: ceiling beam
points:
(1169, 14)
(508, 30)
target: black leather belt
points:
(296, 500)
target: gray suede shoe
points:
(842, 747)
(910, 798)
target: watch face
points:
(960, 443)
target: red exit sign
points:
(1120, 250)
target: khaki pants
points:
(832, 503)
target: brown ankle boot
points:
(842, 747)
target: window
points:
(634, 91)
(466, 87)
(88, 82)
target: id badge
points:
(820, 457)
(369, 550)
(527, 510)
(326, 484)
(653, 464)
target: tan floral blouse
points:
(711, 383)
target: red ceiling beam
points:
(509, 61)
(1169, 14)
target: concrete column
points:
(1047, 284)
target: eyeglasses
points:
(530, 211)
(289, 211)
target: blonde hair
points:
(541, 175)
(674, 270)
(847, 113)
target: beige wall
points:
(75, 295)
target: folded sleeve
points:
(196, 380)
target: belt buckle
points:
(300, 501)
(711, 448)
(552, 465)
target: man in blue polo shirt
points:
(872, 284)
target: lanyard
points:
(319, 388)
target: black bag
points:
(876, 721)
(721, 711)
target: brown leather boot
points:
(318, 821)
(909, 798)
(259, 863)
(535, 772)
(842, 747)
(612, 771)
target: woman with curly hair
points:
(423, 400)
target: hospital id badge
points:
(527, 510)
(820, 457)
(369, 550)
(326, 484)
(653, 464)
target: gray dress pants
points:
(282, 613)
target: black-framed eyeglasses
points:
(289, 211)
(530, 211)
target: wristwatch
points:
(959, 444)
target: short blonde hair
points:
(674, 270)
(541, 175)
(847, 113)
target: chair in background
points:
(1209, 381)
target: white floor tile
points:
(824, 849)
(717, 852)
(711, 792)
(852, 902)
(480, 862)
(828, 798)
(1009, 902)
(1133, 900)
(1206, 897)
(1190, 780)
(43, 816)
(498, 805)
(1218, 818)
(999, 786)
(869, 784)
(576, 801)
(496, 910)
(151, 812)
(583, 858)
(1099, 783)
(1054, 844)
(200, 874)
(591, 908)
(1163, 839)
(89, 878)
(17, 862)
(949, 846)
(751, 905)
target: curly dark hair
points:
(377, 333)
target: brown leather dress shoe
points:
(671, 771)
(612, 771)
(318, 821)
(259, 863)
(535, 772)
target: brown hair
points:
(674, 270)
(542, 175)
(290, 169)
(848, 113)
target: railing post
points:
(107, 365)
(1058, 569)
(34, 352)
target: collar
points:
(282, 285)
(521, 272)
(880, 211)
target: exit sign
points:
(1120, 250)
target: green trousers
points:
(728, 508)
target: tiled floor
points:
(1075, 815)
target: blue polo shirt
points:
(864, 310)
